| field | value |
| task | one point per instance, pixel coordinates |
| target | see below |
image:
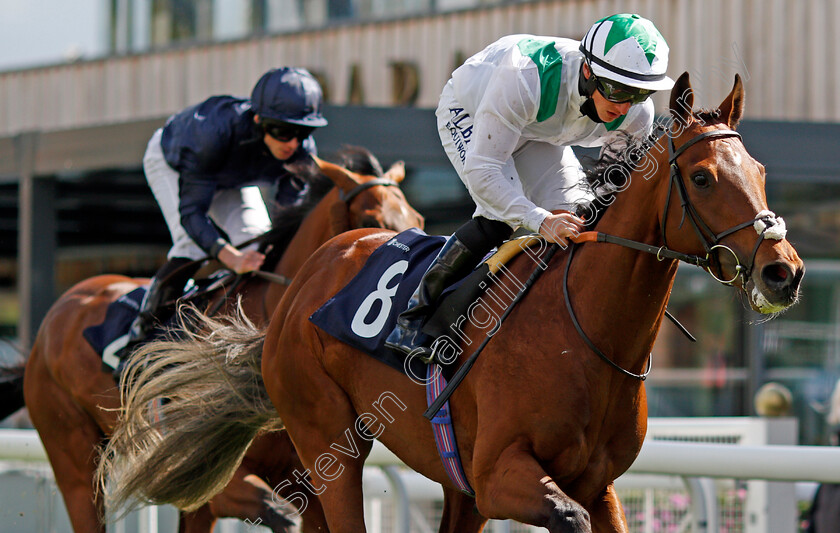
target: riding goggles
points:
(284, 132)
(619, 93)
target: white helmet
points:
(628, 49)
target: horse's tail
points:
(192, 407)
(11, 388)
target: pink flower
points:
(679, 501)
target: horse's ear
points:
(732, 108)
(396, 172)
(682, 100)
(343, 178)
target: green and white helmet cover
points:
(628, 49)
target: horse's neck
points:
(315, 229)
(626, 291)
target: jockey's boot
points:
(453, 260)
(167, 284)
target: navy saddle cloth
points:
(364, 312)
(111, 336)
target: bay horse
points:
(553, 410)
(74, 403)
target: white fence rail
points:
(770, 463)
(21, 445)
(694, 462)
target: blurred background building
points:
(83, 85)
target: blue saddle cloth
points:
(110, 337)
(364, 312)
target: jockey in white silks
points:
(507, 120)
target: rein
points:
(345, 197)
(271, 277)
(762, 222)
(586, 339)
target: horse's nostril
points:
(777, 275)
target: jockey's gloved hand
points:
(240, 261)
(559, 226)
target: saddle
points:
(481, 297)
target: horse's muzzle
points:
(777, 286)
(782, 280)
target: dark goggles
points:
(284, 132)
(621, 94)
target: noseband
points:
(347, 196)
(762, 222)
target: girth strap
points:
(444, 432)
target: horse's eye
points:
(700, 180)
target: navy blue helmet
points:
(289, 95)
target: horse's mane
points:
(285, 220)
(604, 174)
(359, 160)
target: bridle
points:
(347, 196)
(762, 222)
(765, 223)
(710, 240)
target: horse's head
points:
(718, 204)
(370, 200)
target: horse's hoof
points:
(570, 520)
(282, 524)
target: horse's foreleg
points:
(517, 487)
(249, 498)
(199, 521)
(320, 419)
(607, 514)
(459, 513)
(70, 438)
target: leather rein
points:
(710, 240)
